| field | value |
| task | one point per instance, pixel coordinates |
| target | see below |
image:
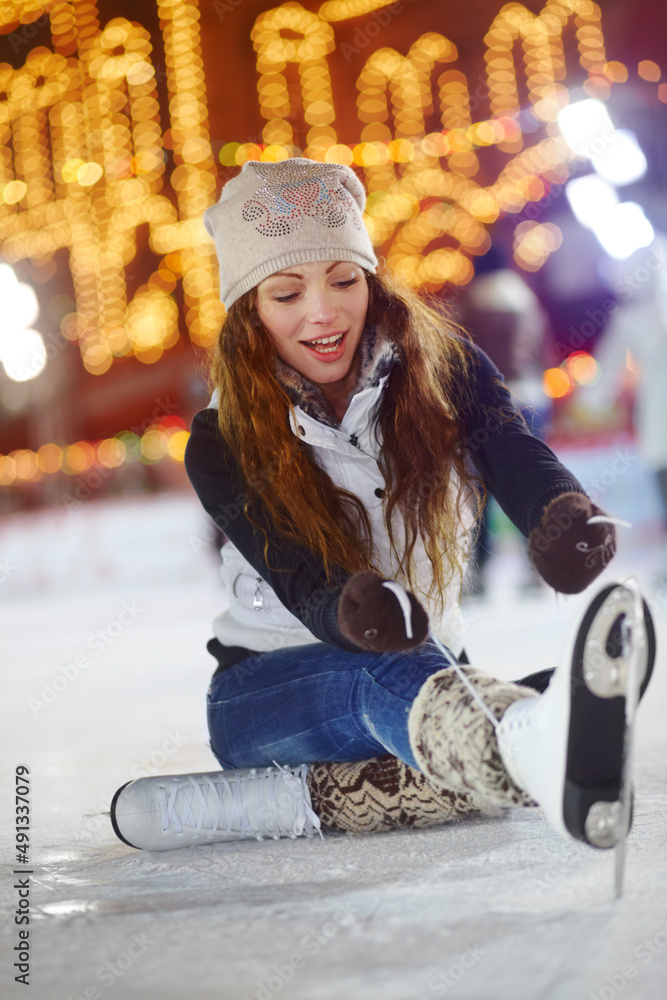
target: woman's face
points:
(315, 314)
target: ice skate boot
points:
(570, 747)
(184, 810)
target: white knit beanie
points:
(274, 215)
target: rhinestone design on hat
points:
(292, 193)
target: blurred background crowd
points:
(515, 157)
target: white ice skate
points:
(570, 747)
(172, 811)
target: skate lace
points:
(404, 602)
(605, 519)
(462, 677)
(203, 803)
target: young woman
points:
(349, 432)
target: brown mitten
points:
(565, 549)
(372, 615)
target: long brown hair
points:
(421, 458)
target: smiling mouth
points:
(325, 345)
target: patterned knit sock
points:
(383, 793)
(453, 740)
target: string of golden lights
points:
(163, 440)
(85, 160)
(103, 177)
(107, 164)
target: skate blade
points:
(635, 679)
(613, 660)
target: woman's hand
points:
(572, 544)
(380, 615)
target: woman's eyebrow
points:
(293, 274)
(284, 274)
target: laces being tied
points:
(269, 802)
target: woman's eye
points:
(347, 282)
(285, 298)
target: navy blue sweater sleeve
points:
(294, 573)
(519, 471)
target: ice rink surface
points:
(104, 679)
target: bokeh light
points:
(583, 368)
(534, 242)
(557, 383)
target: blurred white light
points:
(8, 279)
(586, 127)
(22, 349)
(591, 199)
(622, 161)
(624, 230)
(20, 307)
(23, 354)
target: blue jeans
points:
(315, 703)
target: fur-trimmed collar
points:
(378, 356)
